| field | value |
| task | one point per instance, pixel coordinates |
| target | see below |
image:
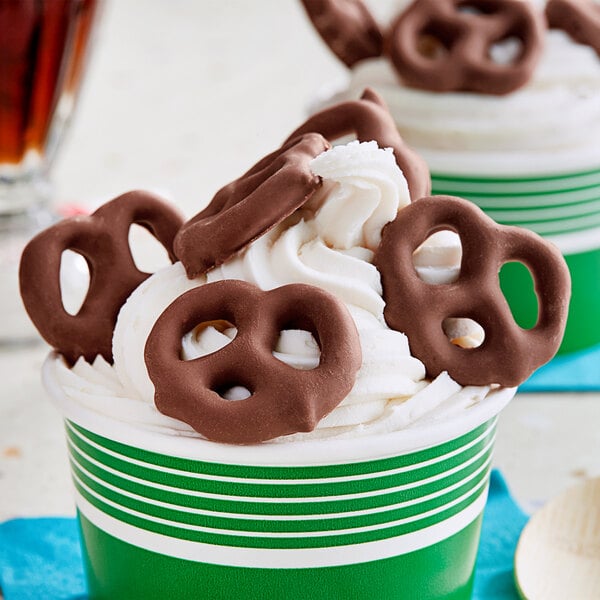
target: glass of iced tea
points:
(43, 53)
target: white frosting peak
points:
(369, 190)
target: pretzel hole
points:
(233, 393)
(298, 349)
(148, 253)
(474, 9)
(209, 337)
(436, 39)
(437, 260)
(74, 281)
(206, 338)
(463, 332)
(516, 283)
(431, 47)
(507, 51)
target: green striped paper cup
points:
(391, 516)
(563, 208)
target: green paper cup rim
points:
(316, 452)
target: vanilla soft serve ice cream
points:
(329, 243)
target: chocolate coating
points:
(459, 59)
(579, 18)
(102, 239)
(508, 354)
(369, 119)
(347, 27)
(250, 206)
(283, 400)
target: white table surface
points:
(182, 96)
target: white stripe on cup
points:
(577, 241)
(588, 195)
(310, 499)
(272, 517)
(542, 215)
(324, 480)
(281, 534)
(566, 225)
(267, 558)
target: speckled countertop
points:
(182, 96)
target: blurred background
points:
(183, 96)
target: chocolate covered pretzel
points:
(347, 27)
(369, 119)
(250, 206)
(508, 354)
(579, 18)
(283, 400)
(103, 240)
(445, 45)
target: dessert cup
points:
(291, 461)
(368, 517)
(555, 193)
(530, 158)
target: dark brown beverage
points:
(43, 45)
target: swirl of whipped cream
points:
(329, 244)
(388, 369)
(552, 122)
(135, 321)
(362, 199)
(97, 388)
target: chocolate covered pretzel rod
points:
(579, 18)
(369, 119)
(250, 206)
(347, 27)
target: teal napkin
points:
(40, 558)
(577, 372)
(503, 522)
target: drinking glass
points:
(43, 55)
